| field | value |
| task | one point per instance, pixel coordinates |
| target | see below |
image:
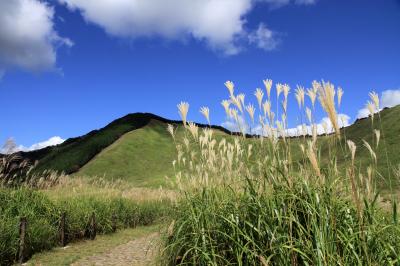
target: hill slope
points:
(141, 156)
(138, 148)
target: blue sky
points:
(72, 66)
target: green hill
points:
(138, 148)
(388, 152)
(142, 156)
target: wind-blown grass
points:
(278, 201)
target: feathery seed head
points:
(183, 108)
(226, 104)
(340, 93)
(352, 146)
(309, 114)
(259, 95)
(237, 102)
(267, 108)
(230, 86)
(371, 108)
(205, 111)
(314, 133)
(279, 88)
(378, 136)
(375, 99)
(251, 110)
(371, 151)
(327, 100)
(241, 98)
(170, 129)
(312, 157)
(316, 85)
(300, 96)
(268, 86)
(234, 114)
(286, 90)
(312, 95)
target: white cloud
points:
(305, 2)
(264, 38)
(280, 3)
(389, 98)
(27, 37)
(50, 142)
(219, 23)
(233, 126)
(362, 113)
(343, 121)
(10, 146)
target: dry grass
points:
(97, 186)
(249, 200)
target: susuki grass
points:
(273, 200)
(44, 202)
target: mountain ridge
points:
(73, 154)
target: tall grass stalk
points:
(251, 201)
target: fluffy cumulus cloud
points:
(10, 146)
(240, 126)
(219, 23)
(323, 127)
(388, 98)
(264, 38)
(27, 36)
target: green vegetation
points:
(71, 155)
(137, 148)
(312, 200)
(297, 225)
(388, 155)
(142, 157)
(84, 249)
(43, 213)
(281, 201)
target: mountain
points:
(138, 148)
(122, 149)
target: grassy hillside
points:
(142, 156)
(388, 157)
(138, 148)
(70, 156)
(388, 150)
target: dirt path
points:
(141, 251)
(134, 246)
